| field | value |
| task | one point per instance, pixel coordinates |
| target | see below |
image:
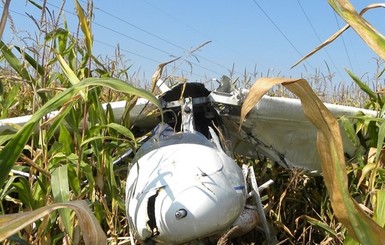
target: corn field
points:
(58, 183)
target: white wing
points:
(278, 129)
(11, 125)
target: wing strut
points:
(255, 193)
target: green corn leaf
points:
(67, 70)
(97, 115)
(60, 190)
(24, 192)
(66, 140)
(110, 113)
(70, 74)
(349, 129)
(320, 224)
(55, 33)
(381, 73)
(86, 169)
(59, 184)
(350, 241)
(7, 187)
(365, 171)
(118, 128)
(363, 86)
(380, 140)
(14, 62)
(4, 137)
(74, 180)
(122, 130)
(62, 37)
(72, 57)
(62, 42)
(99, 138)
(59, 121)
(12, 150)
(31, 61)
(10, 99)
(36, 4)
(1, 88)
(99, 64)
(84, 25)
(379, 211)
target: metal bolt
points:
(187, 109)
(181, 213)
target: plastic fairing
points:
(182, 188)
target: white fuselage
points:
(182, 188)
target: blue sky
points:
(261, 36)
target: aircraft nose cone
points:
(182, 192)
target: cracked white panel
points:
(278, 129)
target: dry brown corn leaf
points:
(92, 232)
(330, 148)
(158, 73)
(374, 39)
(338, 33)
